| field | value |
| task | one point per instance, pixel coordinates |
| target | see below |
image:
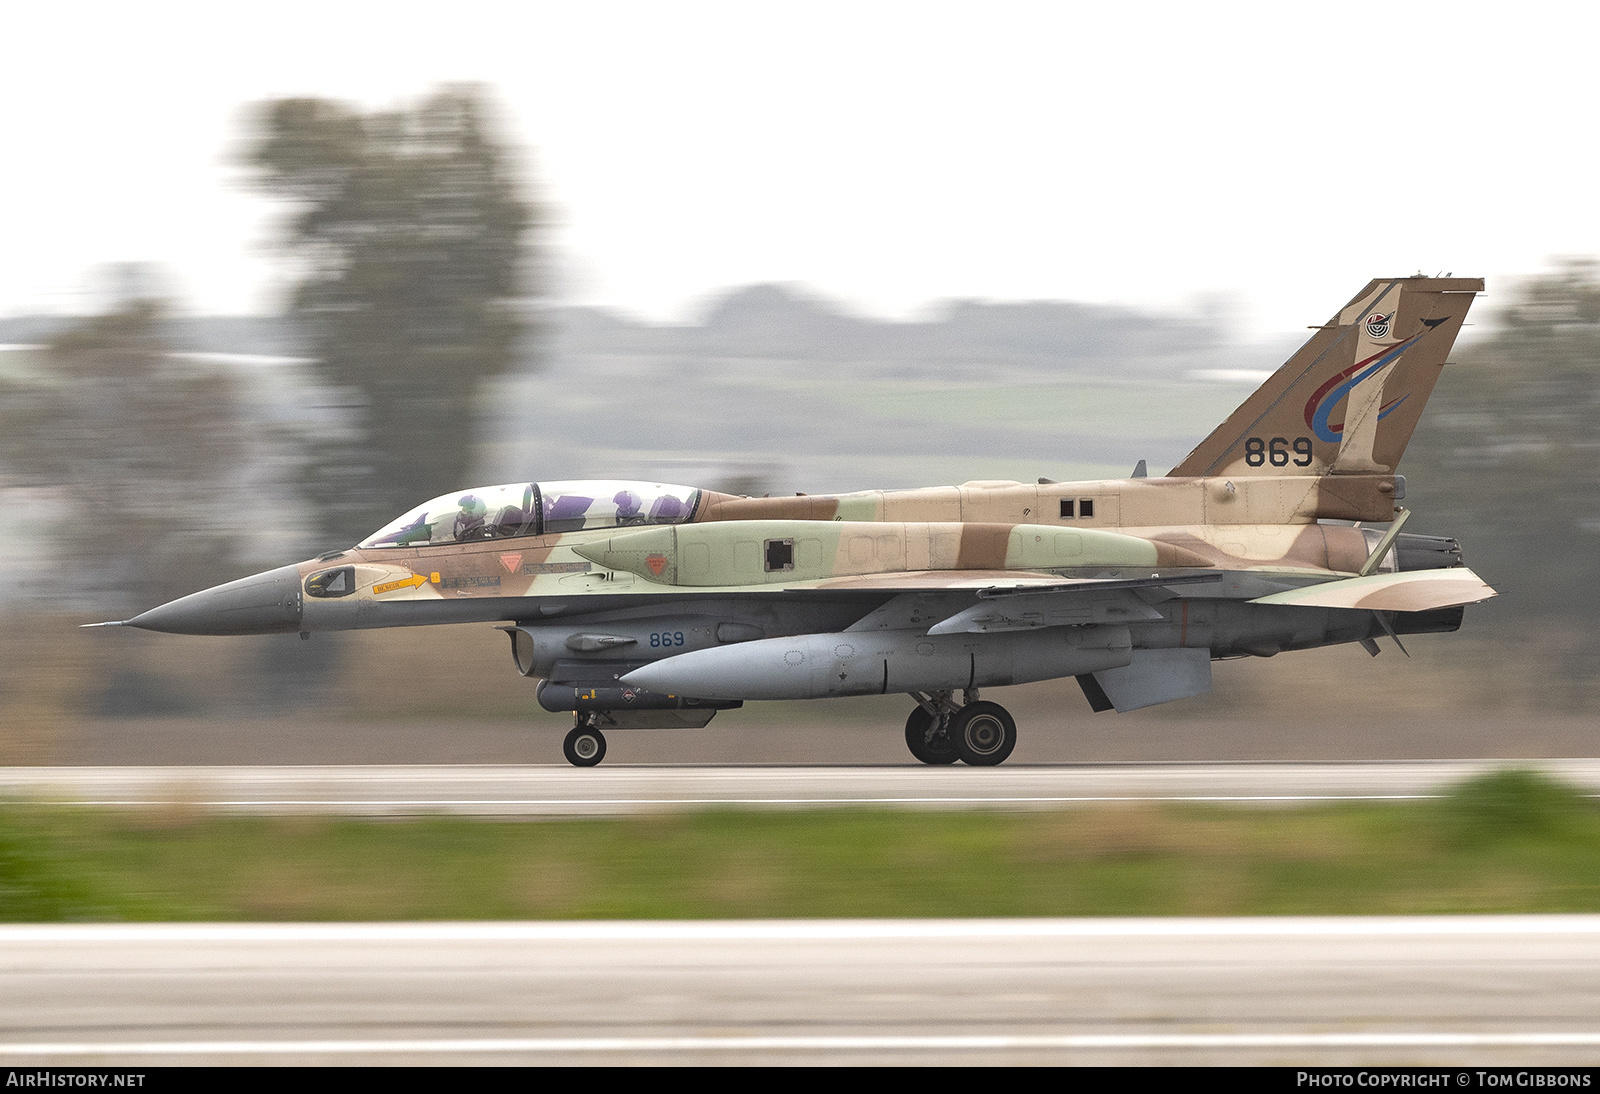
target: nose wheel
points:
(585, 746)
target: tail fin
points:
(1349, 400)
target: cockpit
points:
(536, 508)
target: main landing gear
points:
(585, 746)
(977, 733)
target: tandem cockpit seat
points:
(513, 520)
(538, 508)
(669, 510)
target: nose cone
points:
(266, 603)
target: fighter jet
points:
(641, 605)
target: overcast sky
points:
(886, 154)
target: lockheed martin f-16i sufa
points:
(641, 605)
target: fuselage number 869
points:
(1276, 451)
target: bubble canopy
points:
(534, 508)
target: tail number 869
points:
(666, 638)
(1276, 451)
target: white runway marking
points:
(804, 1043)
(1440, 926)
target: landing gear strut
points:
(585, 746)
(929, 740)
(977, 733)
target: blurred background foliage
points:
(409, 230)
(146, 453)
(132, 444)
(1507, 458)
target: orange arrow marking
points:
(409, 583)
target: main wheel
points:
(929, 743)
(585, 746)
(984, 734)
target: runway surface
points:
(1446, 990)
(560, 790)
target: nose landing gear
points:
(979, 734)
(585, 746)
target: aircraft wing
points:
(998, 583)
(1010, 601)
(1061, 604)
(934, 580)
(1408, 591)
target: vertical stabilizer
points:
(1349, 400)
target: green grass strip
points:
(1509, 842)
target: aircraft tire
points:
(585, 746)
(940, 750)
(984, 733)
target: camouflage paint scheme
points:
(1132, 585)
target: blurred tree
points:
(1508, 460)
(410, 232)
(141, 456)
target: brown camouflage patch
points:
(984, 546)
(715, 507)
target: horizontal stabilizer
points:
(1409, 591)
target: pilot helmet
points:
(627, 503)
